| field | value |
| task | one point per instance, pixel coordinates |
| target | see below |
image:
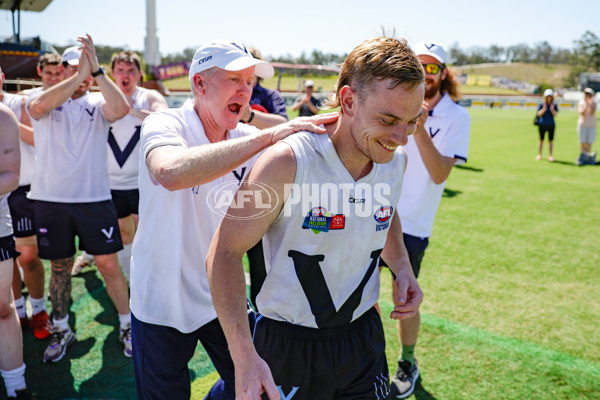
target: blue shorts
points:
(346, 362)
(126, 202)
(415, 246)
(22, 212)
(95, 224)
(8, 249)
(161, 355)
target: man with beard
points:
(436, 146)
(71, 186)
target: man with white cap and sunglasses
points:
(187, 156)
(434, 148)
(71, 186)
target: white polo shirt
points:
(70, 144)
(169, 286)
(449, 127)
(14, 101)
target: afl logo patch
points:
(384, 213)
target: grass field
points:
(511, 282)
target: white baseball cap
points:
(230, 56)
(548, 92)
(589, 91)
(309, 83)
(71, 55)
(430, 48)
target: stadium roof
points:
(25, 5)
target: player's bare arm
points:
(226, 275)
(395, 255)
(179, 168)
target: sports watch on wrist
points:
(99, 72)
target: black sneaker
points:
(23, 394)
(403, 383)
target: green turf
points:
(511, 282)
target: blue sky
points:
(330, 26)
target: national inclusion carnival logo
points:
(325, 206)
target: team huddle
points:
(320, 204)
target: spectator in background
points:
(586, 127)
(435, 147)
(267, 107)
(307, 105)
(547, 110)
(50, 70)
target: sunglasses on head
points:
(432, 69)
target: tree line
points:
(583, 57)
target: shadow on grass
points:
(451, 193)
(468, 168)
(421, 393)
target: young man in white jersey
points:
(124, 149)
(329, 217)
(72, 189)
(23, 222)
(432, 152)
(187, 155)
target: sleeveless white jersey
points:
(169, 286)
(13, 101)
(123, 145)
(6, 228)
(70, 145)
(321, 253)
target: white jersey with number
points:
(70, 145)
(169, 286)
(448, 126)
(321, 254)
(14, 101)
(124, 146)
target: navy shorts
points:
(95, 224)
(8, 249)
(546, 128)
(22, 211)
(415, 246)
(346, 362)
(126, 202)
(161, 355)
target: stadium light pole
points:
(151, 53)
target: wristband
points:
(251, 116)
(99, 72)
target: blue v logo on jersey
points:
(122, 155)
(289, 395)
(382, 217)
(320, 220)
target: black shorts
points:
(8, 249)
(57, 224)
(22, 212)
(415, 246)
(546, 128)
(126, 202)
(347, 362)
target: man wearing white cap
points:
(307, 104)
(432, 152)
(71, 186)
(189, 158)
(546, 112)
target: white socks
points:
(37, 305)
(125, 259)
(20, 305)
(61, 324)
(124, 321)
(14, 380)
